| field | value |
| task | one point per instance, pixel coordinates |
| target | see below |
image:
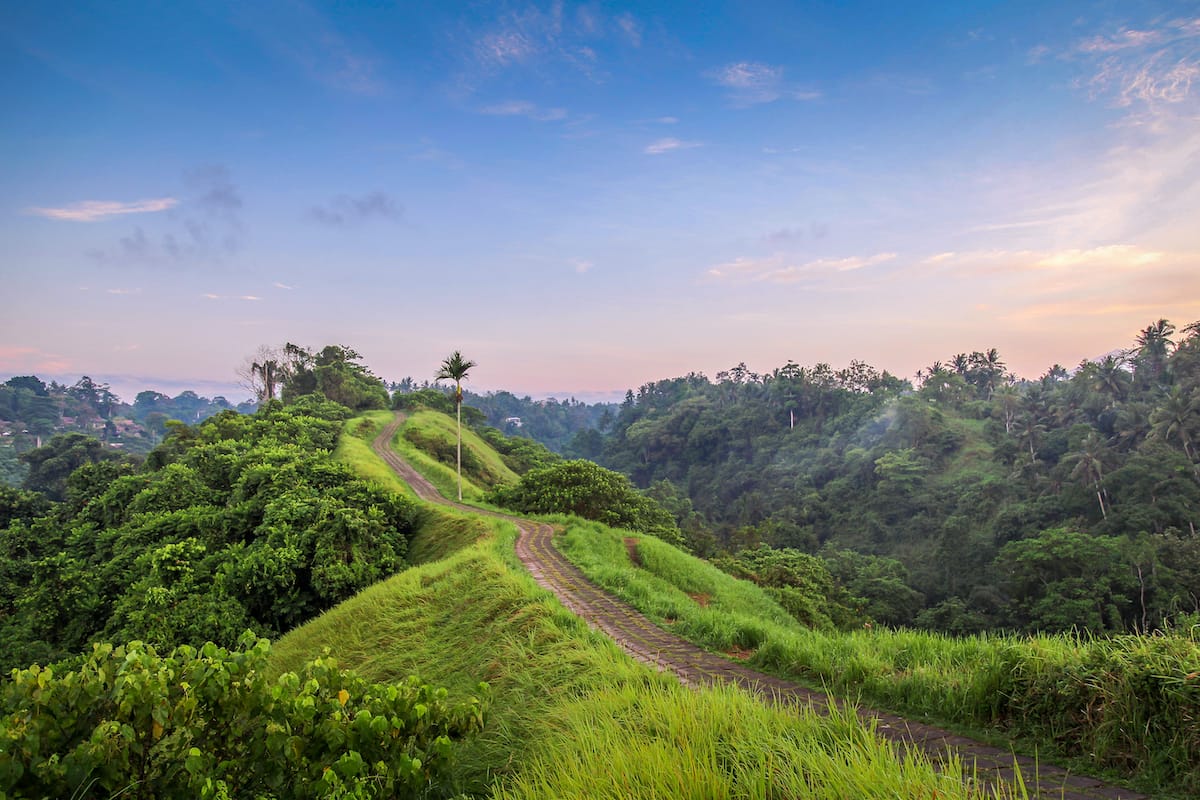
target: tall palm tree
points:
(1154, 343)
(455, 368)
(1089, 467)
(1177, 417)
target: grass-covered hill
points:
(568, 714)
(572, 716)
(1140, 691)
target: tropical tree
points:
(1153, 346)
(1089, 467)
(1176, 418)
(455, 368)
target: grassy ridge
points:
(1129, 703)
(570, 714)
(564, 698)
(426, 431)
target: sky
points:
(584, 197)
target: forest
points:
(970, 501)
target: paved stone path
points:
(652, 645)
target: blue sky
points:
(585, 197)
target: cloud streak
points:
(523, 108)
(97, 210)
(780, 269)
(753, 83)
(667, 145)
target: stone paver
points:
(654, 646)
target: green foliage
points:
(51, 465)
(799, 582)
(1063, 579)
(334, 374)
(519, 453)
(877, 586)
(941, 477)
(240, 522)
(565, 698)
(207, 723)
(590, 491)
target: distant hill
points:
(31, 411)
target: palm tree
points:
(1176, 417)
(1154, 343)
(455, 368)
(1111, 378)
(1089, 467)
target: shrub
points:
(206, 723)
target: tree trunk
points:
(458, 417)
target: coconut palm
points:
(455, 368)
(1154, 344)
(1177, 417)
(1089, 467)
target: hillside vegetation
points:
(973, 501)
(1140, 696)
(570, 715)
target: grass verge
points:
(1127, 706)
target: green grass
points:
(435, 427)
(1128, 704)
(563, 698)
(570, 715)
(354, 448)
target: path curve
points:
(652, 645)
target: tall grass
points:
(1127, 703)
(564, 698)
(668, 742)
(436, 428)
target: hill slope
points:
(571, 715)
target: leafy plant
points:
(207, 723)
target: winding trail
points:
(652, 645)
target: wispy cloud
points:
(752, 82)
(96, 210)
(782, 269)
(505, 47)
(667, 145)
(1107, 259)
(533, 37)
(344, 209)
(581, 266)
(630, 27)
(523, 108)
(279, 285)
(1155, 65)
(312, 43)
(244, 297)
(123, 291)
(206, 226)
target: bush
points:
(590, 491)
(206, 723)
